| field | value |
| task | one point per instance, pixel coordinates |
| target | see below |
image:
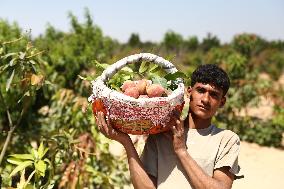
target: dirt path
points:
(263, 167)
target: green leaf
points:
(90, 78)
(126, 77)
(21, 167)
(22, 55)
(41, 151)
(47, 82)
(174, 76)
(83, 78)
(35, 154)
(100, 66)
(22, 156)
(154, 68)
(185, 110)
(14, 161)
(10, 80)
(160, 80)
(3, 68)
(47, 161)
(143, 67)
(32, 62)
(51, 185)
(40, 167)
(127, 69)
(7, 55)
(75, 141)
(12, 62)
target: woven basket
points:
(136, 116)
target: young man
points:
(195, 153)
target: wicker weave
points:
(136, 116)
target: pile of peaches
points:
(142, 89)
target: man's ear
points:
(223, 101)
(188, 93)
(189, 89)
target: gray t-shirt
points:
(211, 148)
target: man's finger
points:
(174, 129)
(111, 129)
(98, 120)
(108, 121)
(180, 125)
(103, 122)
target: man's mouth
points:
(206, 108)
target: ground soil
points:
(262, 167)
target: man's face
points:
(205, 99)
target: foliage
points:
(247, 44)
(209, 42)
(71, 138)
(40, 166)
(73, 52)
(22, 75)
(273, 63)
(172, 40)
(24, 70)
(9, 31)
(191, 43)
(134, 40)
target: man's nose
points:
(205, 98)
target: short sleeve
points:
(228, 153)
(149, 156)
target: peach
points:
(127, 84)
(132, 91)
(155, 90)
(141, 85)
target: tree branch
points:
(12, 127)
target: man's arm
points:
(139, 178)
(138, 175)
(222, 177)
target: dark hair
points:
(211, 73)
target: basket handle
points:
(111, 70)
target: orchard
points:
(48, 136)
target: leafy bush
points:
(248, 44)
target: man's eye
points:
(200, 90)
(214, 95)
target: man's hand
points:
(106, 128)
(138, 176)
(178, 136)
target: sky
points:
(151, 19)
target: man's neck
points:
(197, 123)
